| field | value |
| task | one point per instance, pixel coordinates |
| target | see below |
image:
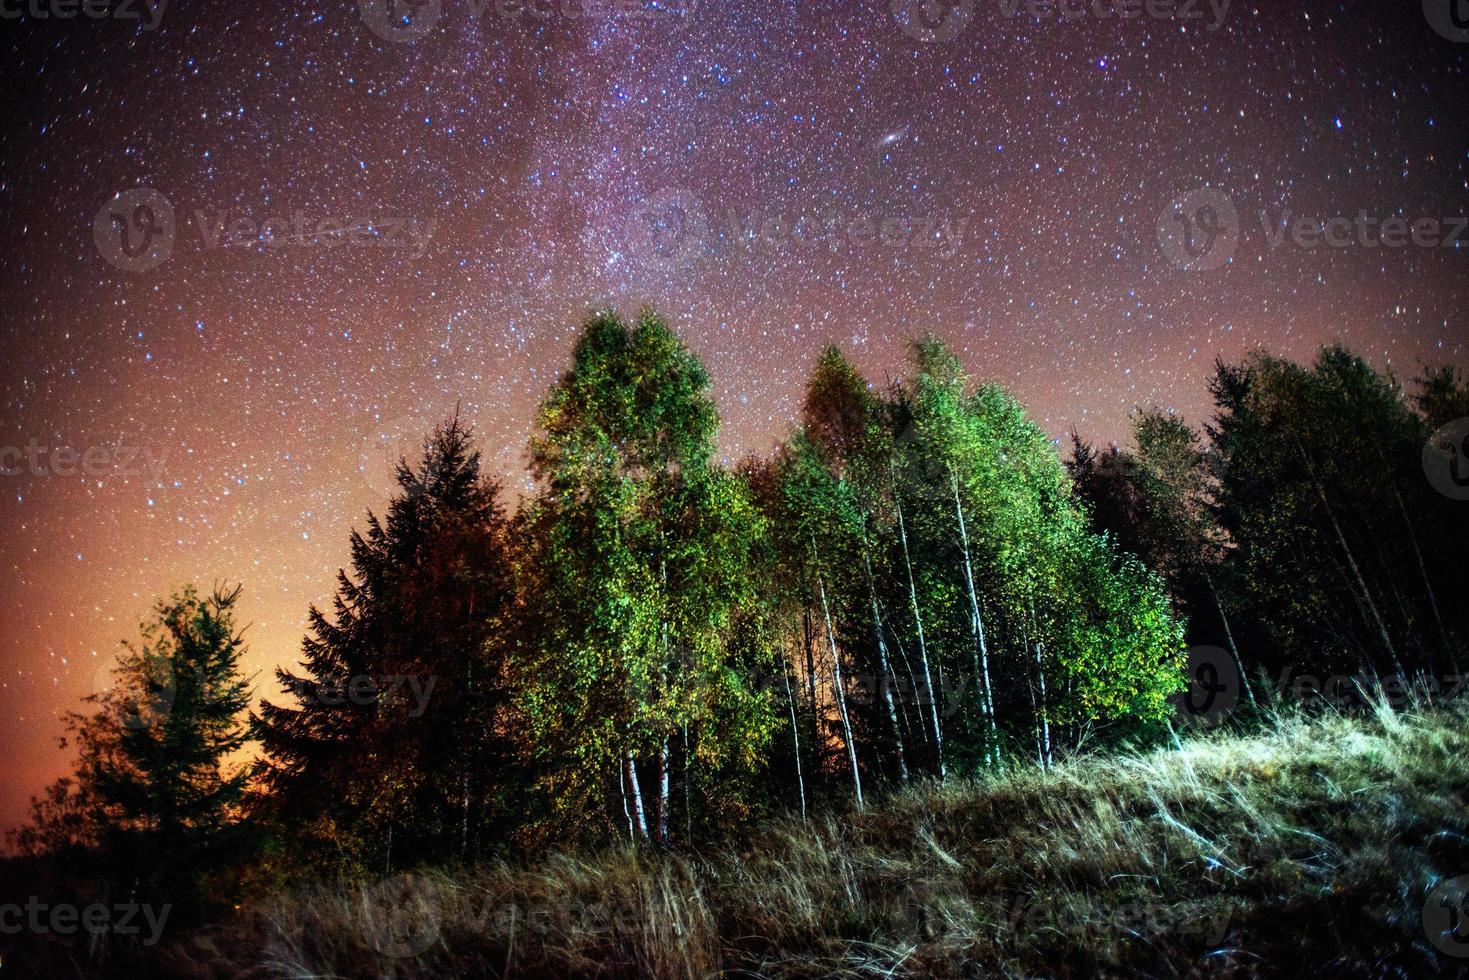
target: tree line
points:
(655, 647)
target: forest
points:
(656, 654)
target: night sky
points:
(771, 176)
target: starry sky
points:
(249, 252)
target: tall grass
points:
(1306, 849)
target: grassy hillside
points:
(1310, 849)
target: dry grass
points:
(1308, 850)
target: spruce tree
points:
(392, 749)
(157, 790)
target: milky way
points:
(249, 251)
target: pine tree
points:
(156, 789)
(395, 740)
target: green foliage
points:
(1080, 634)
(1299, 530)
(639, 549)
(157, 787)
(1031, 618)
(654, 647)
(1347, 550)
(396, 739)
